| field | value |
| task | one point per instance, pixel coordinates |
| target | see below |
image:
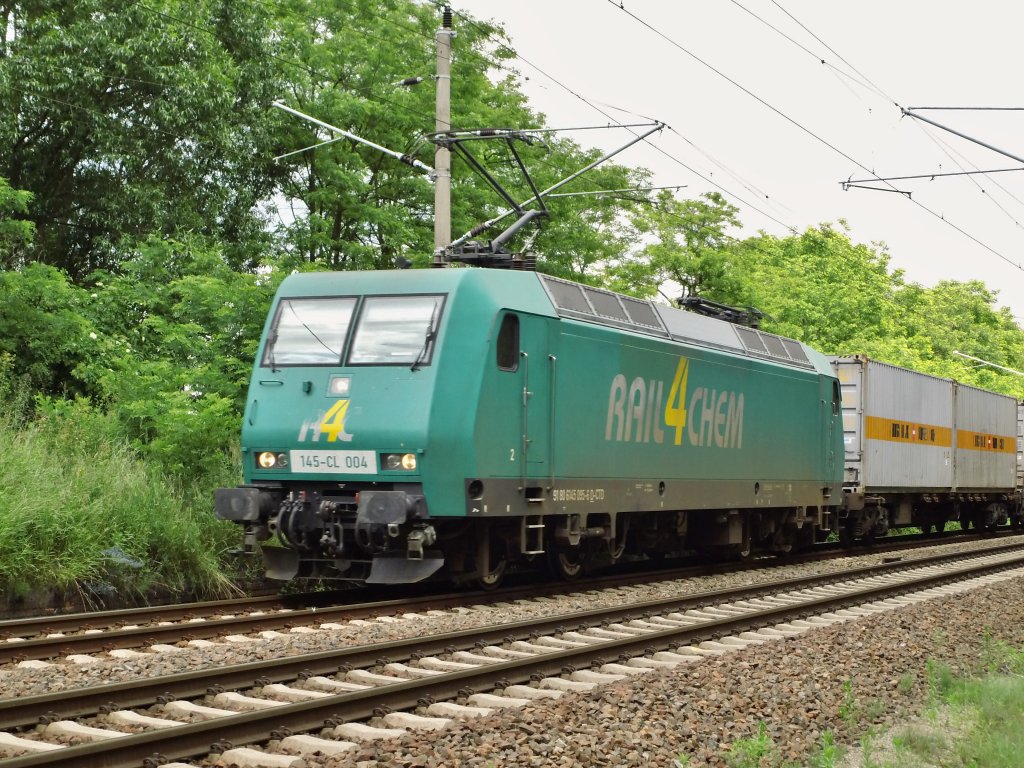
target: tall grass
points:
(81, 514)
(971, 722)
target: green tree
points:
(842, 298)
(177, 331)
(16, 232)
(964, 317)
(356, 208)
(687, 244)
(43, 328)
(823, 289)
(126, 118)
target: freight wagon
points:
(922, 451)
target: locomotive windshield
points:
(309, 332)
(391, 330)
(396, 330)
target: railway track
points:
(76, 635)
(447, 676)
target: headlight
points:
(271, 460)
(399, 461)
(338, 386)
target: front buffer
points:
(362, 532)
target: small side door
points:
(537, 370)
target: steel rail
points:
(59, 622)
(27, 711)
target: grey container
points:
(986, 440)
(897, 427)
(1020, 446)
(905, 431)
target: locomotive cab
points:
(361, 402)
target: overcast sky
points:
(782, 136)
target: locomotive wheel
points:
(491, 560)
(493, 579)
(567, 563)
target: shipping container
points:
(897, 427)
(1020, 447)
(985, 456)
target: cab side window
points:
(508, 343)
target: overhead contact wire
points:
(808, 131)
(946, 150)
(600, 111)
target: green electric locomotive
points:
(458, 423)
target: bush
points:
(80, 512)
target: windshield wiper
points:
(431, 335)
(271, 341)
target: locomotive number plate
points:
(335, 462)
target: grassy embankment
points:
(971, 722)
(85, 521)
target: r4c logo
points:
(331, 424)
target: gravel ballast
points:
(871, 673)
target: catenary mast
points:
(442, 155)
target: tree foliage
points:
(685, 245)
(125, 119)
(356, 208)
(16, 231)
(43, 327)
(841, 297)
(176, 331)
(822, 288)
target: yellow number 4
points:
(333, 423)
(675, 408)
